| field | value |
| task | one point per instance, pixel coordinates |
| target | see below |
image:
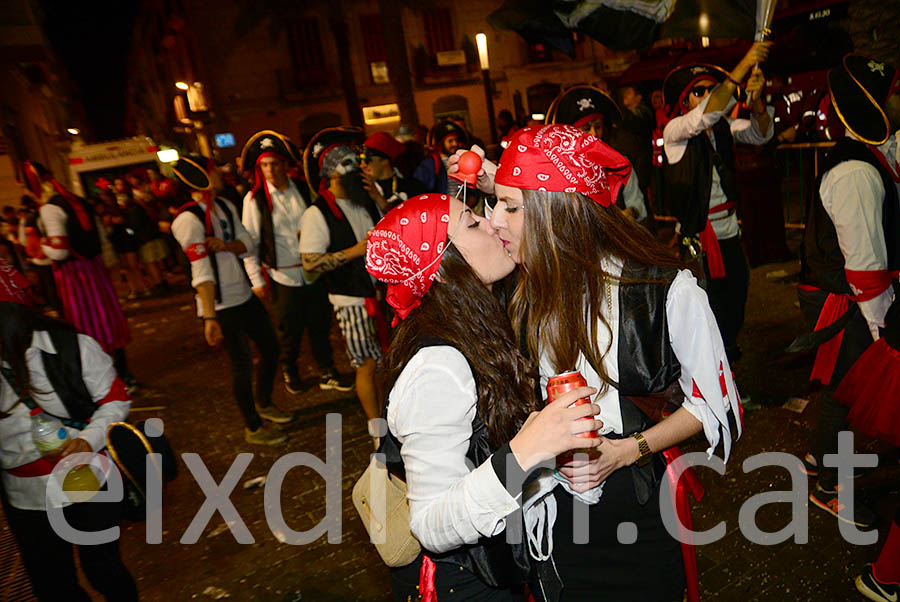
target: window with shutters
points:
(438, 31)
(373, 45)
(307, 54)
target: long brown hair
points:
(460, 309)
(562, 285)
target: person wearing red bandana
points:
(649, 345)
(72, 240)
(463, 421)
(850, 262)
(272, 213)
(215, 241)
(333, 244)
(384, 182)
(700, 183)
(46, 365)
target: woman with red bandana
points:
(460, 395)
(597, 294)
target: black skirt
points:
(451, 581)
(649, 570)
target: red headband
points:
(562, 158)
(405, 250)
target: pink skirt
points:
(90, 303)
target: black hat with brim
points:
(680, 80)
(320, 145)
(580, 105)
(444, 128)
(859, 89)
(129, 446)
(268, 141)
(189, 169)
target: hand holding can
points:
(559, 385)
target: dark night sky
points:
(92, 41)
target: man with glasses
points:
(700, 176)
(384, 182)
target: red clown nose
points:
(469, 163)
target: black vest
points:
(200, 214)
(63, 370)
(266, 249)
(350, 279)
(85, 243)
(821, 260)
(689, 181)
(491, 559)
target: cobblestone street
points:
(188, 387)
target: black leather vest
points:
(350, 279)
(85, 243)
(492, 560)
(689, 181)
(821, 260)
(63, 370)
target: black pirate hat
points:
(321, 145)
(581, 105)
(189, 169)
(859, 90)
(444, 128)
(268, 141)
(129, 446)
(680, 80)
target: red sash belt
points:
(710, 244)
(44, 466)
(866, 285)
(687, 484)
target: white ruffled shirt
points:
(433, 403)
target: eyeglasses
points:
(700, 91)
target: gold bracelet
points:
(644, 454)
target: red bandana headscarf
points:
(14, 287)
(405, 250)
(562, 158)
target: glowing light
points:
(481, 42)
(167, 155)
(74, 131)
(538, 116)
(182, 85)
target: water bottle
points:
(49, 435)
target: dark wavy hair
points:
(17, 326)
(460, 309)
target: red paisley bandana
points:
(14, 287)
(405, 250)
(562, 158)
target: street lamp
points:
(74, 131)
(481, 42)
(704, 30)
(182, 85)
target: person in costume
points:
(384, 182)
(444, 139)
(700, 176)
(849, 267)
(73, 242)
(214, 240)
(273, 211)
(594, 111)
(460, 395)
(36, 354)
(334, 245)
(650, 346)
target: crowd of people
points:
(459, 301)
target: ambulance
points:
(89, 163)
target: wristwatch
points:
(644, 453)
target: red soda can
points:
(563, 383)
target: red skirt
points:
(871, 388)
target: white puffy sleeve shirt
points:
(16, 445)
(431, 408)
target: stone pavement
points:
(189, 386)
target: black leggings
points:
(49, 561)
(240, 324)
(728, 295)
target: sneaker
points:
(273, 414)
(264, 435)
(337, 382)
(809, 466)
(873, 589)
(862, 516)
(292, 382)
